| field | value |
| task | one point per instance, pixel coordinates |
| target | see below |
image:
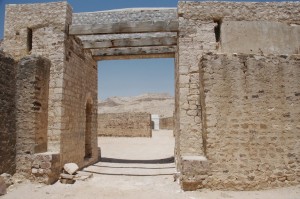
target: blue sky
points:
(127, 77)
(122, 77)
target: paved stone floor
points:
(135, 168)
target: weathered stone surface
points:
(2, 186)
(259, 37)
(124, 27)
(7, 116)
(125, 15)
(198, 110)
(32, 83)
(67, 181)
(166, 123)
(7, 179)
(252, 112)
(45, 167)
(66, 176)
(124, 124)
(117, 24)
(41, 29)
(240, 11)
(71, 168)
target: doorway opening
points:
(88, 130)
(129, 93)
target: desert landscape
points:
(162, 104)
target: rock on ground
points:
(2, 186)
(71, 168)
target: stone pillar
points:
(32, 84)
(41, 29)
(195, 38)
(7, 116)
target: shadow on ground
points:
(125, 161)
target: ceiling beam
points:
(124, 27)
(128, 42)
(125, 57)
(133, 50)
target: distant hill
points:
(154, 103)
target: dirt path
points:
(135, 168)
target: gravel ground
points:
(134, 168)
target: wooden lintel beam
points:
(128, 42)
(124, 27)
(134, 51)
(125, 57)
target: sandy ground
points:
(134, 168)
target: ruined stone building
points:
(124, 124)
(237, 113)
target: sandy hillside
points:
(154, 103)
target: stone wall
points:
(42, 29)
(259, 37)
(32, 89)
(7, 116)
(201, 30)
(45, 167)
(194, 38)
(166, 123)
(124, 125)
(252, 120)
(80, 91)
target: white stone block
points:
(155, 120)
(71, 168)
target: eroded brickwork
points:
(32, 88)
(201, 30)
(125, 15)
(7, 114)
(252, 108)
(80, 89)
(45, 167)
(42, 29)
(166, 123)
(124, 125)
(195, 38)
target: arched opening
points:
(88, 131)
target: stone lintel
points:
(131, 51)
(125, 27)
(130, 42)
(126, 57)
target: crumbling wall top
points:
(35, 15)
(125, 15)
(241, 11)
